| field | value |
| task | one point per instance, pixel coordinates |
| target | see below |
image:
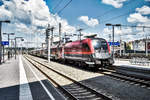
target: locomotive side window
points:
(85, 47)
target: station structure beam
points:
(6, 21)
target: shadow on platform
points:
(37, 91)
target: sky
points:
(29, 18)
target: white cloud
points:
(144, 10)
(115, 3)
(4, 14)
(65, 26)
(125, 33)
(31, 16)
(118, 31)
(90, 22)
(26, 12)
(137, 17)
(140, 19)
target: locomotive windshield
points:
(100, 44)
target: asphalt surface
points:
(19, 80)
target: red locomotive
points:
(94, 52)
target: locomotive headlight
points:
(93, 55)
(89, 59)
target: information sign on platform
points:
(114, 43)
(5, 43)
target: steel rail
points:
(126, 77)
(74, 81)
(60, 87)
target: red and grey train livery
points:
(94, 52)
(90, 51)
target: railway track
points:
(143, 82)
(129, 73)
(75, 91)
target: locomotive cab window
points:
(99, 44)
(96, 44)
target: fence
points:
(140, 61)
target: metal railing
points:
(140, 61)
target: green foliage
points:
(128, 47)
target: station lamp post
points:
(16, 44)
(113, 25)
(12, 46)
(6, 21)
(9, 42)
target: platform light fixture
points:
(5, 21)
(113, 25)
(8, 41)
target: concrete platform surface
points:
(19, 80)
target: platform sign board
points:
(114, 43)
(5, 43)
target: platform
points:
(19, 80)
(125, 64)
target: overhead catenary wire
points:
(64, 7)
(103, 13)
(115, 17)
(135, 26)
(57, 5)
(113, 9)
